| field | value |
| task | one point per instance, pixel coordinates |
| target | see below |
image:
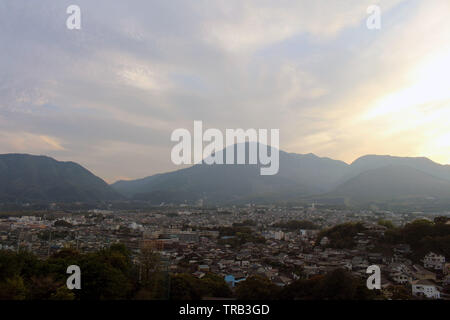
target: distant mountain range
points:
(40, 179)
(371, 179)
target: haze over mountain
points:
(393, 182)
(301, 177)
(298, 175)
(368, 179)
(32, 178)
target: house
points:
(425, 288)
(203, 267)
(420, 273)
(434, 261)
(324, 241)
(400, 278)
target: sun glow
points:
(422, 108)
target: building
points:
(324, 241)
(425, 288)
(434, 261)
(400, 278)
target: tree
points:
(213, 285)
(441, 219)
(257, 288)
(338, 284)
(183, 287)
(13, 289)
(62, 293)
(149, 263)
(341, 236)
(386, 223)
(41, 288)
(399, 293)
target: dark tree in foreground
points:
(257, 288)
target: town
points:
(279, 243)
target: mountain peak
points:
(30, 178)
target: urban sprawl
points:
(281, 244)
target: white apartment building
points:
(425, 288)
(434, 261)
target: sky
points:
(108, 96)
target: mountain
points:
(425, 165)
(299, 175)
(370, 178)
(29, 178)
(393, 183)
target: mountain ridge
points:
(369, 179)
(300, 176)
(39, 178)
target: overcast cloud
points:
(109, 95)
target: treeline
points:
(342, 235)
(108, 274)
(423, 236)
(238, 235)
(338, 284)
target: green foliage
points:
(154, 282)
(386, 223)
(257, 288)
(285, 268)
(62, 223)
(336, 285)
(183, 287)
(110, 274)
(106, 274)
(13, 289)
(187, 287)
(45, 234)
(341, 236)
(399, 292)
(62, 293)
(441, 219)
(240, 234)
(423, 236)
(213, 285)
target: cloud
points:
(249, 25)
(25, 141)
(110, 94)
